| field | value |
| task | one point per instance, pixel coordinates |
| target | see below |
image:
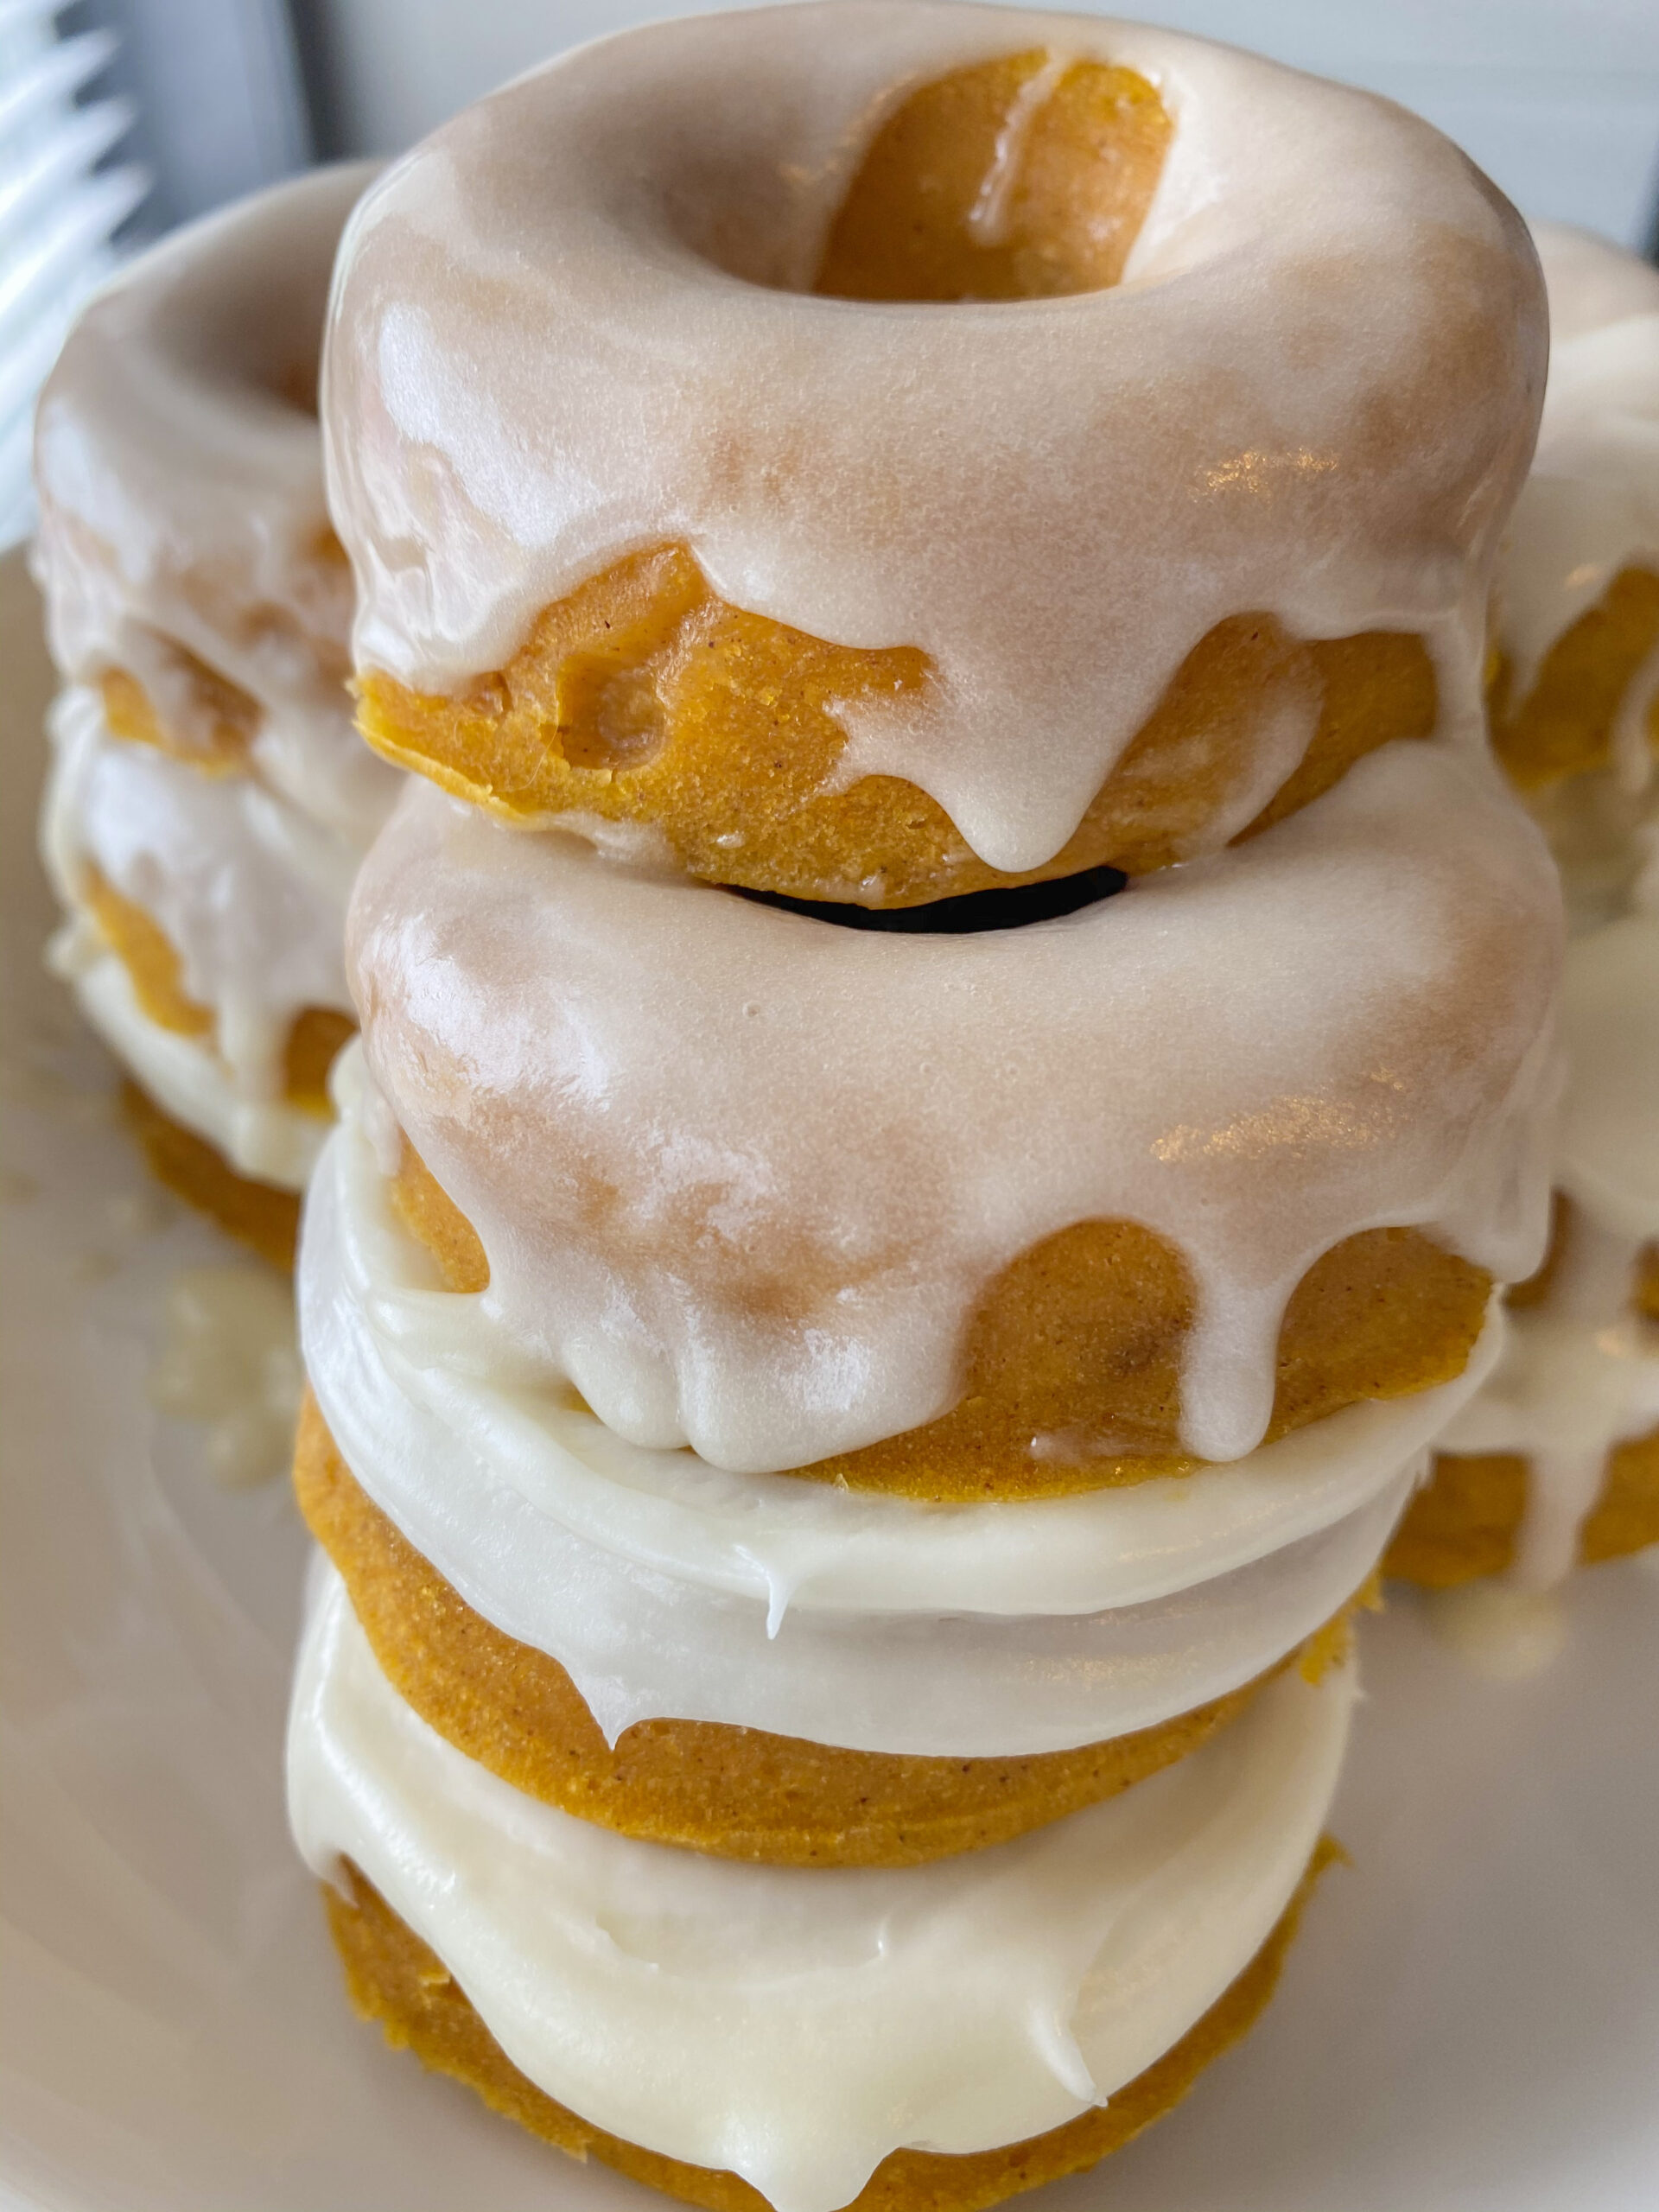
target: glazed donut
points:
(639, 1590)
(208, 803)
(680, 509)
(1577, 589)
(721, 1158)
(1557, 1463)
(868, 1330)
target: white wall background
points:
(1558, 99)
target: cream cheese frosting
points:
(742, 1177)
(178, 467)
(681, 2002)
(249, 892)
(575, 322)
(667, 1589)
(392, 1353)
(1591, 505)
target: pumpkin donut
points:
(208, 804)
(867, 474)
(1558, 1464)
(957, 1048)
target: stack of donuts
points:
(957, 1047)
(1557, 1463)
(209, 802)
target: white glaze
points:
(1579, 1377)
(1582, 1372)
(268, 1139)
(569, 326)
(795, 2024)
(822, 1146)
(181, 491)
(423, 1393)
(669, 1590)
(1591, 505)
(249, 892)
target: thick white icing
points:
(742, 1177)
(1591, 505)
(249, 892)
(179, 481)
(794, 2025)
(1580, 1377)
(669, 1590)
(572, 324)
(394, 1356)
(1591, 282)
(268, 1139)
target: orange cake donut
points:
(1028, 1321)
(821, 557)
(1558, 1464)
(1082, 1334)
(1246, 1795)
(1577, 605)
(739, 1792)
(957, 1044)
(207, 805)
(643, 699)
(394, 1978)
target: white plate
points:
(1470, 2022)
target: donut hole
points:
(1019, 179)
(970, 915)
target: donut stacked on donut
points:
(208, 803)
(957, 1039)
(1558, 1461)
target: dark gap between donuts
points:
(974, 911)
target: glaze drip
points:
(249, 892)
(1582, 1372)
(742, 1180)
(1055, 513)
(1590, 508)
(185, 547)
